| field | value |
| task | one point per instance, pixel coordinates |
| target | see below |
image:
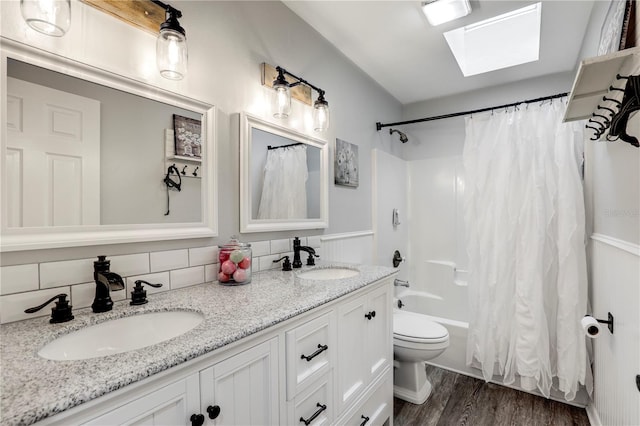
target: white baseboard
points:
(592, 414)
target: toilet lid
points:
(416, 326)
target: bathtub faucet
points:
(400, 283)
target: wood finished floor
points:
(461, 400)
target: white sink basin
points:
(121, 335)
(328, 274)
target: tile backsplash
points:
(24, 286)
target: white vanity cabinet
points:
(169, 405)
(330, 365)
(243, 389)
(365, 342)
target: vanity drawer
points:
(315, 404)
(376, 408)
(310, 352)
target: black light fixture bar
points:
(380, 125)
(300, 80)
(168, 8)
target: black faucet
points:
(297, 263)
(105, 281)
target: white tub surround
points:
(34, 388)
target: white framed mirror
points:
(284, 178)
(85, 152)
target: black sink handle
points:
(61, 299)
(61, 312)
(140, 282)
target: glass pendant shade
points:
(320, 115)
(50, 17)
(171, 47)
(282, 100)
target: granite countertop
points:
(33, 388)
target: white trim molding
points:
(620, 244)
(346, 235)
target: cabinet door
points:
(171, 405)
(243, 387)
(379, 332)
(352, 369)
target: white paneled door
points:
(53, 157)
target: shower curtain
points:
(284, 190)
(525, 221)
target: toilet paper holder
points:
(608, 321)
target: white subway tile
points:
(203, 255)
(186, 277)
(211, 272)
(260, 248)
(266, 262)
(157, 278)
(168, 260)
(82, 295)
(130, 264)
(12, 306)
(19, 278)
(279, 246)
(56, 274)
(314, 241)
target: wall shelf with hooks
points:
(594, 78)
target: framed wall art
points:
(187, 136)
(346, 169)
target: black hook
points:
(608, 109)
(615, 101)
(606, 120)
(183, 170)
(195, 172)
(611, 88)
(621, 77)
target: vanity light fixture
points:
(282, 100)
(171, 46)
(441, 11)
(50, 17)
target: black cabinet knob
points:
(214, 411)
(197, 419)
(364, 421)
(370, 315)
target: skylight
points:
(503, 41)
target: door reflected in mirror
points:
(284, 178)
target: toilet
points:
(416, 339)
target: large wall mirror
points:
(85, 155)
(283, 178)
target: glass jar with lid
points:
(234, 267)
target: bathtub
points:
(450, 314)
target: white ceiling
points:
(393, 42)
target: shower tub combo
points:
(443, 297)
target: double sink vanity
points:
(312, 346)
(270, 352)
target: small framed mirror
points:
(86, 153)
(283, 178)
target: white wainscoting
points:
(351, 247)
(616, 288)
